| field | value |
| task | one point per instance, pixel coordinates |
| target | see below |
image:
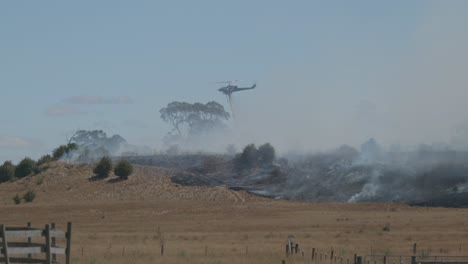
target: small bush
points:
(123, 169)
(25, 168)
(16, 199)
(249, 156)
(40, 169)
(266, 154)
(386, 228)
(29, 196)
(7, 171)
(40, 180)
(103, 168)
(59, 152)
(44, 159)
(63, 150)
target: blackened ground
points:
(436, 179)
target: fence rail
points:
(49, 247)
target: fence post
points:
(5, 244)
(54, 256)
(414, 248)
(48, 244)
(385, 260)
(29, 240)
(69, 237)
(359, 260)
(313, 253)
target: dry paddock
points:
(243, 232)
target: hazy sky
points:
(328, 72)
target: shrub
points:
(103, 168)
(38, 169)
(7, 171)
(29, 196)
(40, 180)
(386, 227)
(25, 167)
(249, 156)
(266, 153)
(62, 150)
(123, 169)
(16, 199)
(44, 159)
(59, 152)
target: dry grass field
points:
(126, 221)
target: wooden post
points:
(69, 240)
(48, 245)
(283, 261)
(414, 248)
(162, 249)
(29, 241)
(287, 249)
(54, 256)
(355, 258)
(385, 260)
(5, 244)
(313, 253)
(331, 253)
(359, 260)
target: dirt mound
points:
(67, 182)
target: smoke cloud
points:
(401, 96)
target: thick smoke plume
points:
(427, 175)
(376, 175)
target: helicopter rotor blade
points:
(233, 81)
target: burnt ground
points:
(433, 179)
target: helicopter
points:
(230, 88)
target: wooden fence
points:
(49, 247)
